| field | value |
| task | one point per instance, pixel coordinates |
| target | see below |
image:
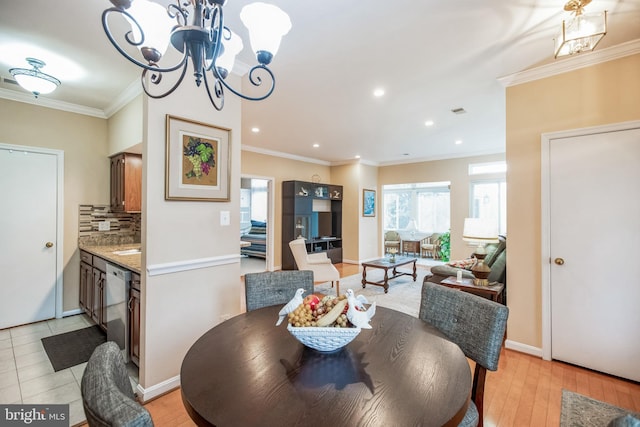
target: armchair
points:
(431, 246)
(391, 240)
(319, 263)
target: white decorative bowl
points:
(325, 339)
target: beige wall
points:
(125, 128)
(601, 94)
(179, 306)
(281, 169)
(455, 171)
(86, 168)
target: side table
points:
(492, 292)
(412, 246)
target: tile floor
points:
(26, 375)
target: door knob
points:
(559, 261)
(49, 244)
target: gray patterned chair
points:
(275, 287)
(476, 324)
(107, 395)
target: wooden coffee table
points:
(386, 264)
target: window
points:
(489, 196)
(426, 203)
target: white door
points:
(28, 246)
(594, 201)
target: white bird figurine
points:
(291, 305)
(360, 319)
(361, 300)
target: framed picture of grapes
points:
(197, 161)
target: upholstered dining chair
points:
(430, 246)
(107, 395)
(476, 324)
(319, 263)
(275, 287)
(391, 240)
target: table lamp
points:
(480, 231)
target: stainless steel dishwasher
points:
(118, 280)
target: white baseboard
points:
(523, 348)
(146, 394)
(72, 312)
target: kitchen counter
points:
(130, 262)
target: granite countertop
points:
(130, 262)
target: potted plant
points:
(445, 246)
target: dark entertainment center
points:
(313, 211)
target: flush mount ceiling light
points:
(582, 32)
(34, 80)
(204, 39)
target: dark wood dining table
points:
(248, 372)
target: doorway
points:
(590, 227)
(31, 226)
(256, 224)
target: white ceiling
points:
(430, 56)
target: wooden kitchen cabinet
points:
(86, 287)
(98, 312)
(126, 182)
(134, 319)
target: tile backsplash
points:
(123, 227)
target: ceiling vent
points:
(9, 81)
(458, 110)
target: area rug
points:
(73, 348)
(403, 295)
(581, 411)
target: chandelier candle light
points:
(582, 32)
(196, 29)
(480, 231)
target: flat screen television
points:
(324, 224)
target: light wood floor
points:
(524, 391)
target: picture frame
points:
(369, 203)
(198, 161)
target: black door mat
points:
(73, 348)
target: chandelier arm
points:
(218, 91)
(150, 66)
(255, 80)
(156, 78)
(216, 33)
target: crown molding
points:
(28, 98)
(283, 155)
(126, 96)
(572, 63)
(476, 153)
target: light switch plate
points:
(225, 218)
(104, 226)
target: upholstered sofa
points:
(496, 259)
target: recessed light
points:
(429, 123)
(378, 92)
(357, 156)
(458, 142)
(316, 145)
(255, 130)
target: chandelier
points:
(196, 30)
(34, 80)
(582, 32)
